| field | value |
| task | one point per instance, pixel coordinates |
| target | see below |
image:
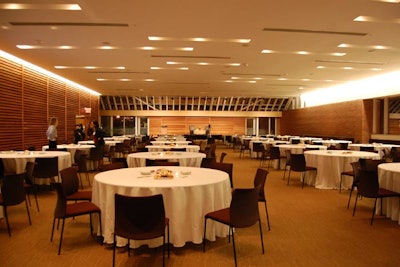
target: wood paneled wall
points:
(351, 119)
(180, 125)
(29, 98)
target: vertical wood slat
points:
(29, 98)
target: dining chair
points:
(350, 173)
(288, 154)
(242, 212)
(368, 186)
(112, 166)
(265, 155)
(244, 147)
(259, 180)
(367, 148)
(95, 156)
(12, 193)
(64, 210)
(82, 168)
(180, 149)
(258, 148)
(298, 164)
(140, 218)
(70, 182)
(222, 157)
(45, 168)
(29, 184)
(207, 162)
(225, 167)
(356, 179)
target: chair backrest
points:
(96, 153)
(69, 180)
(258, 147)
(368, 174)
(295, 141)
(225, 167)
(178, 149)
(207, 162)
(259, 180)
(275, 153)
(244, 207)
(161, 163)
(139, 217)
(123, 160)
(367, 148)
(297, 162)
(12, 189)
(356, 170)
(81, 162)
(288, 154)
(60, 210)
(111, 166)
(222, 157)
(77, 155)
(30, 166)
(46, 167)
(343, 145)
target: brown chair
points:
(245, 147)
(258, 148)
(259, 180)
(140, 218)
(181, 149)
(222, 157)
(95, 156)
(28, 183)
(82, 165)
(111, 166)
(356, 179)
(367, 148)
(368, 186)
(287, 163)
(242, 213)
(12, 194)
(45, 168)
(120, 160)
(348, 173)
(207, 162)
(298, 164)
(65, 210)
(265, 155)
(225, 167)
(70, 183)
(159, 162)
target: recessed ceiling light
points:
(16, 6)
(302, 53)
(338, 54)
(344, 45)
(389, 1)
(347, 68)
(266, 51)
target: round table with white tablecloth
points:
(191, 159)
(159, 148)
(389, 178)
(331, 163)
(187, 198)
(72, 148)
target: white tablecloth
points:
(298, 148)
(389, 178)
(265, 143)
(187, 198)
(159, 148)
(15, 162)
(382, 149)
(107, 142)
(191, 159)
(167, 142)
(71, 148)
(331, 163)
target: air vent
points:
(69, 24)
(314, 31)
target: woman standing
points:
(51, 132)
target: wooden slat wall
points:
(29, 98)
(394, 126)
(180, 125)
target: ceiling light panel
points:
(199, 39)
(23, 6)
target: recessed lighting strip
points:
(16, 6)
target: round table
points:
(71, 148)
(382, 149)
(389, 178)
(187, 198)
(15, 161)
(331, 163)
(298, 148)
(168, 142)
(191, 159)
(159, 148)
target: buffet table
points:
(190, 159)
(188, 196)
(331, 163)
(389, 178)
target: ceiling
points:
(218, 68)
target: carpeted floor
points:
(309, 227)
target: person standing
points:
(51, 133)
(98, 134)
(78, 134)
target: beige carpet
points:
(309, 227)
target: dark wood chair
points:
(64, 210)
(242, 213)
(368, 186)
(29, 185)
(225, 167)
(222, 157)
(12, 194)
(45, 168)
(70, 183)
(354, 165)
(140, 218)
(259, 180)
(298, 164)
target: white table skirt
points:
(190, 159)
(71, 148)
(186, 199)
(15, 162)
(382, 149)
(159, 148)
(330, 164)
(389, 178)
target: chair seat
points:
(81, 195)
(349, 173)
(80, 208)
(222, 216)
(308, 168)
(387, 193)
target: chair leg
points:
(6, 216)
(288, 178)
(234, 249)
(351, 192)
(114, 247)
(373, 211)
(52, 229)
(163, 251)
(266, 212)
(340, 184)
(204, 235)
(61, 236)
(261, 236)
(168, 239)
(27, 210)
(355, 204)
